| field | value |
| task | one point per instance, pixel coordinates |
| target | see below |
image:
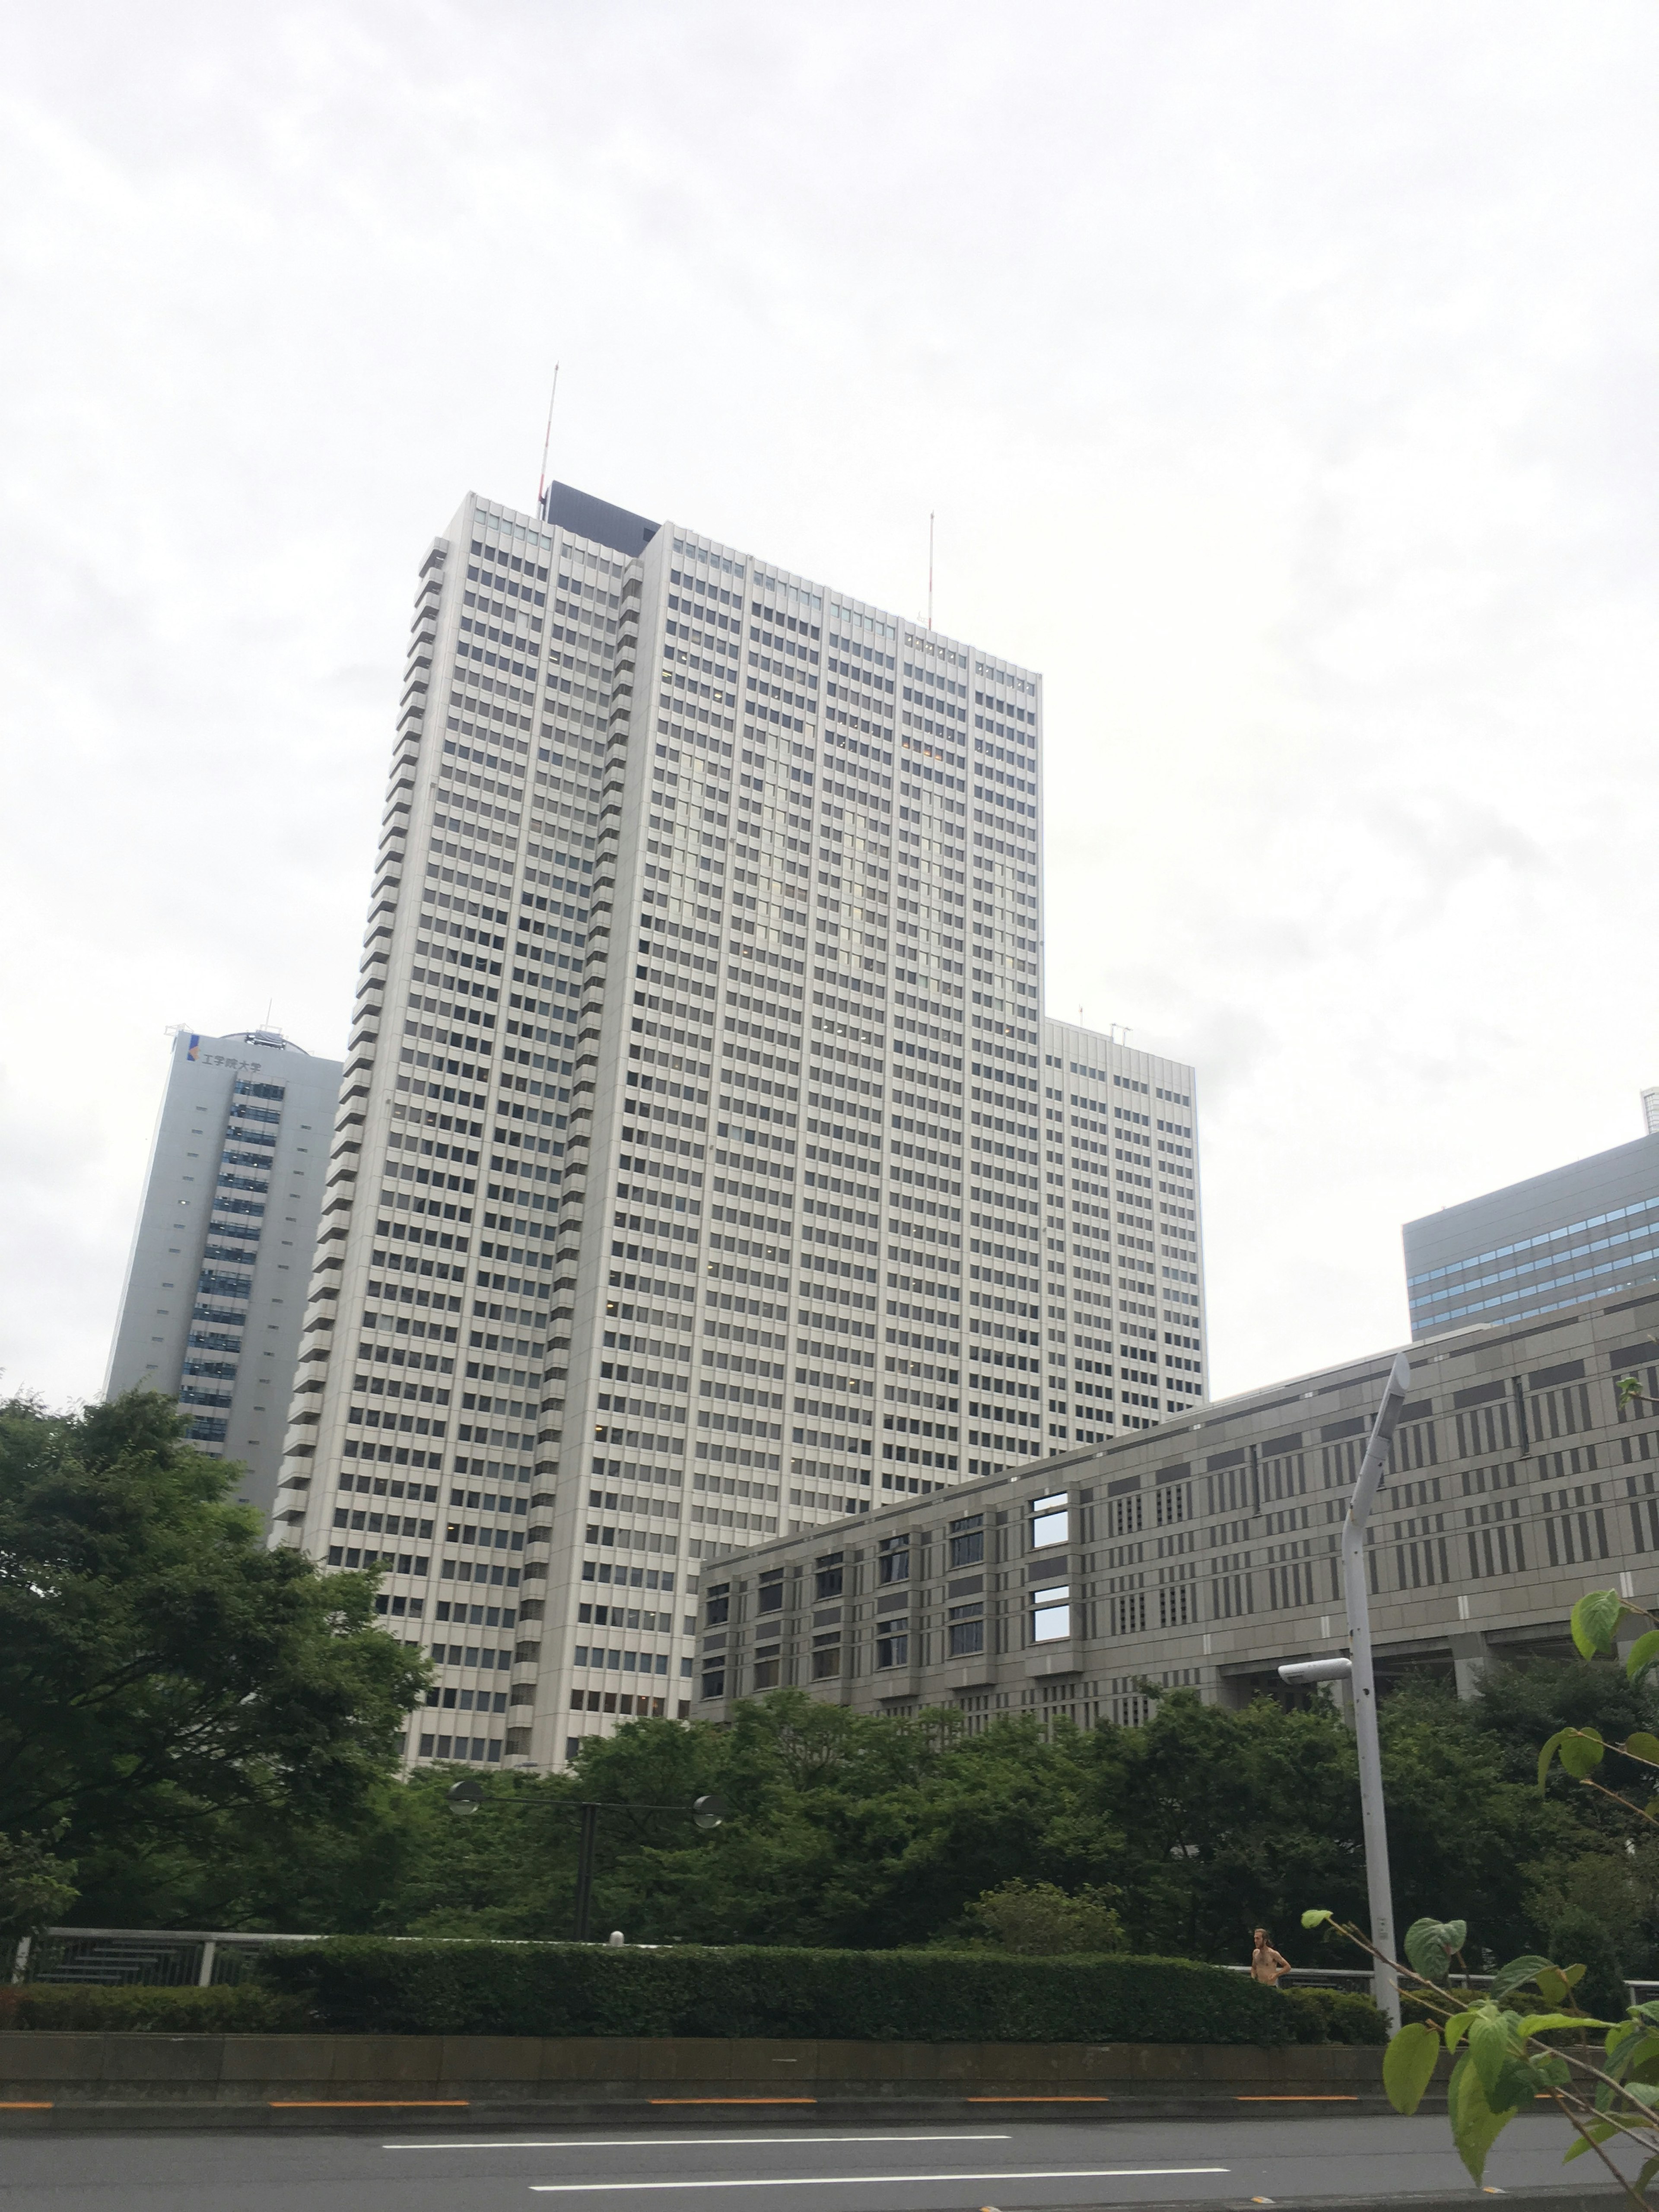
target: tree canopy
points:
(198, 1731)
(173, 1695)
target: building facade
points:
(222, 1253)
(1204, 1553)
(1583, 1231)
(1127, 1345)
(701, 986)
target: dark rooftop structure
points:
(564, 507)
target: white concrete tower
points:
(707, 913)
(1127, 1345)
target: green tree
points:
(1226, 1816)
(1041, 1920)
(176, 1701)
(37, 1888)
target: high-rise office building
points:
(1125, 1337)
(1584, 1230)
(222, 1253)
(702, 969)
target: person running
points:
(1267, 1965)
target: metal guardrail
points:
(1320, 1978)
(162, 1958)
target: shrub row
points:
(1336, 2016)
(238, 2008)
(371, 1984)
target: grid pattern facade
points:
(1580, 1231)
(1123, 1242)
(211, 1309)
(1205, 1553)
(704, 946)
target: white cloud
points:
(1279, 377)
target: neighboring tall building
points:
(1537, 1247)
(1124, 1259)
(705, 928)
(221, 1254)
(1204, 1554)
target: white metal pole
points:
(1356, 1592)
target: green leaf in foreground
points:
(1594, 1619)
(1408, 2065)
(1539, 2023)
(1597, 2131)
(1316, 1915)
(1516, 1973)
(1581, 1751)
(1642, 1654)
(1490, 2047)
(1643, 1744)
(1430, 1945)
(1475, 2126)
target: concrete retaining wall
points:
(49, 2080)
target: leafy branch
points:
(1503, 2062)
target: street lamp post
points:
(706, 1813)
(1357, 1669)
(466, 1795)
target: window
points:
(766, 1668)
(719, 1605)
(1123, 1516)
(1128, 1614)
(968, 1544)
(826, 1656)
(770, 1599)
(894, 1563)
(1050, 1520)
(967, 1629)
(713, 1680)
(827, 1582)
(893, 1644)
(1051, 1613)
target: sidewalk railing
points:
(182, 1958)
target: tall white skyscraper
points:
(221, 1252)
(1123, 1257)
(699, 1001)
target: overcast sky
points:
(1282, 376)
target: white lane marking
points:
(872, 2180)
(783, 2138)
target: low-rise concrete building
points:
(1204, 1552)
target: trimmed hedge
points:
(237, 2008)
(371, 1984)
(1337, 2016)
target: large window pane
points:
(1050, 1521)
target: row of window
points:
(1048, 1621)
(1048, 1521)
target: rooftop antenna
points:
(547, 442)
(930, 571)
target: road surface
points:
(807, 2167)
